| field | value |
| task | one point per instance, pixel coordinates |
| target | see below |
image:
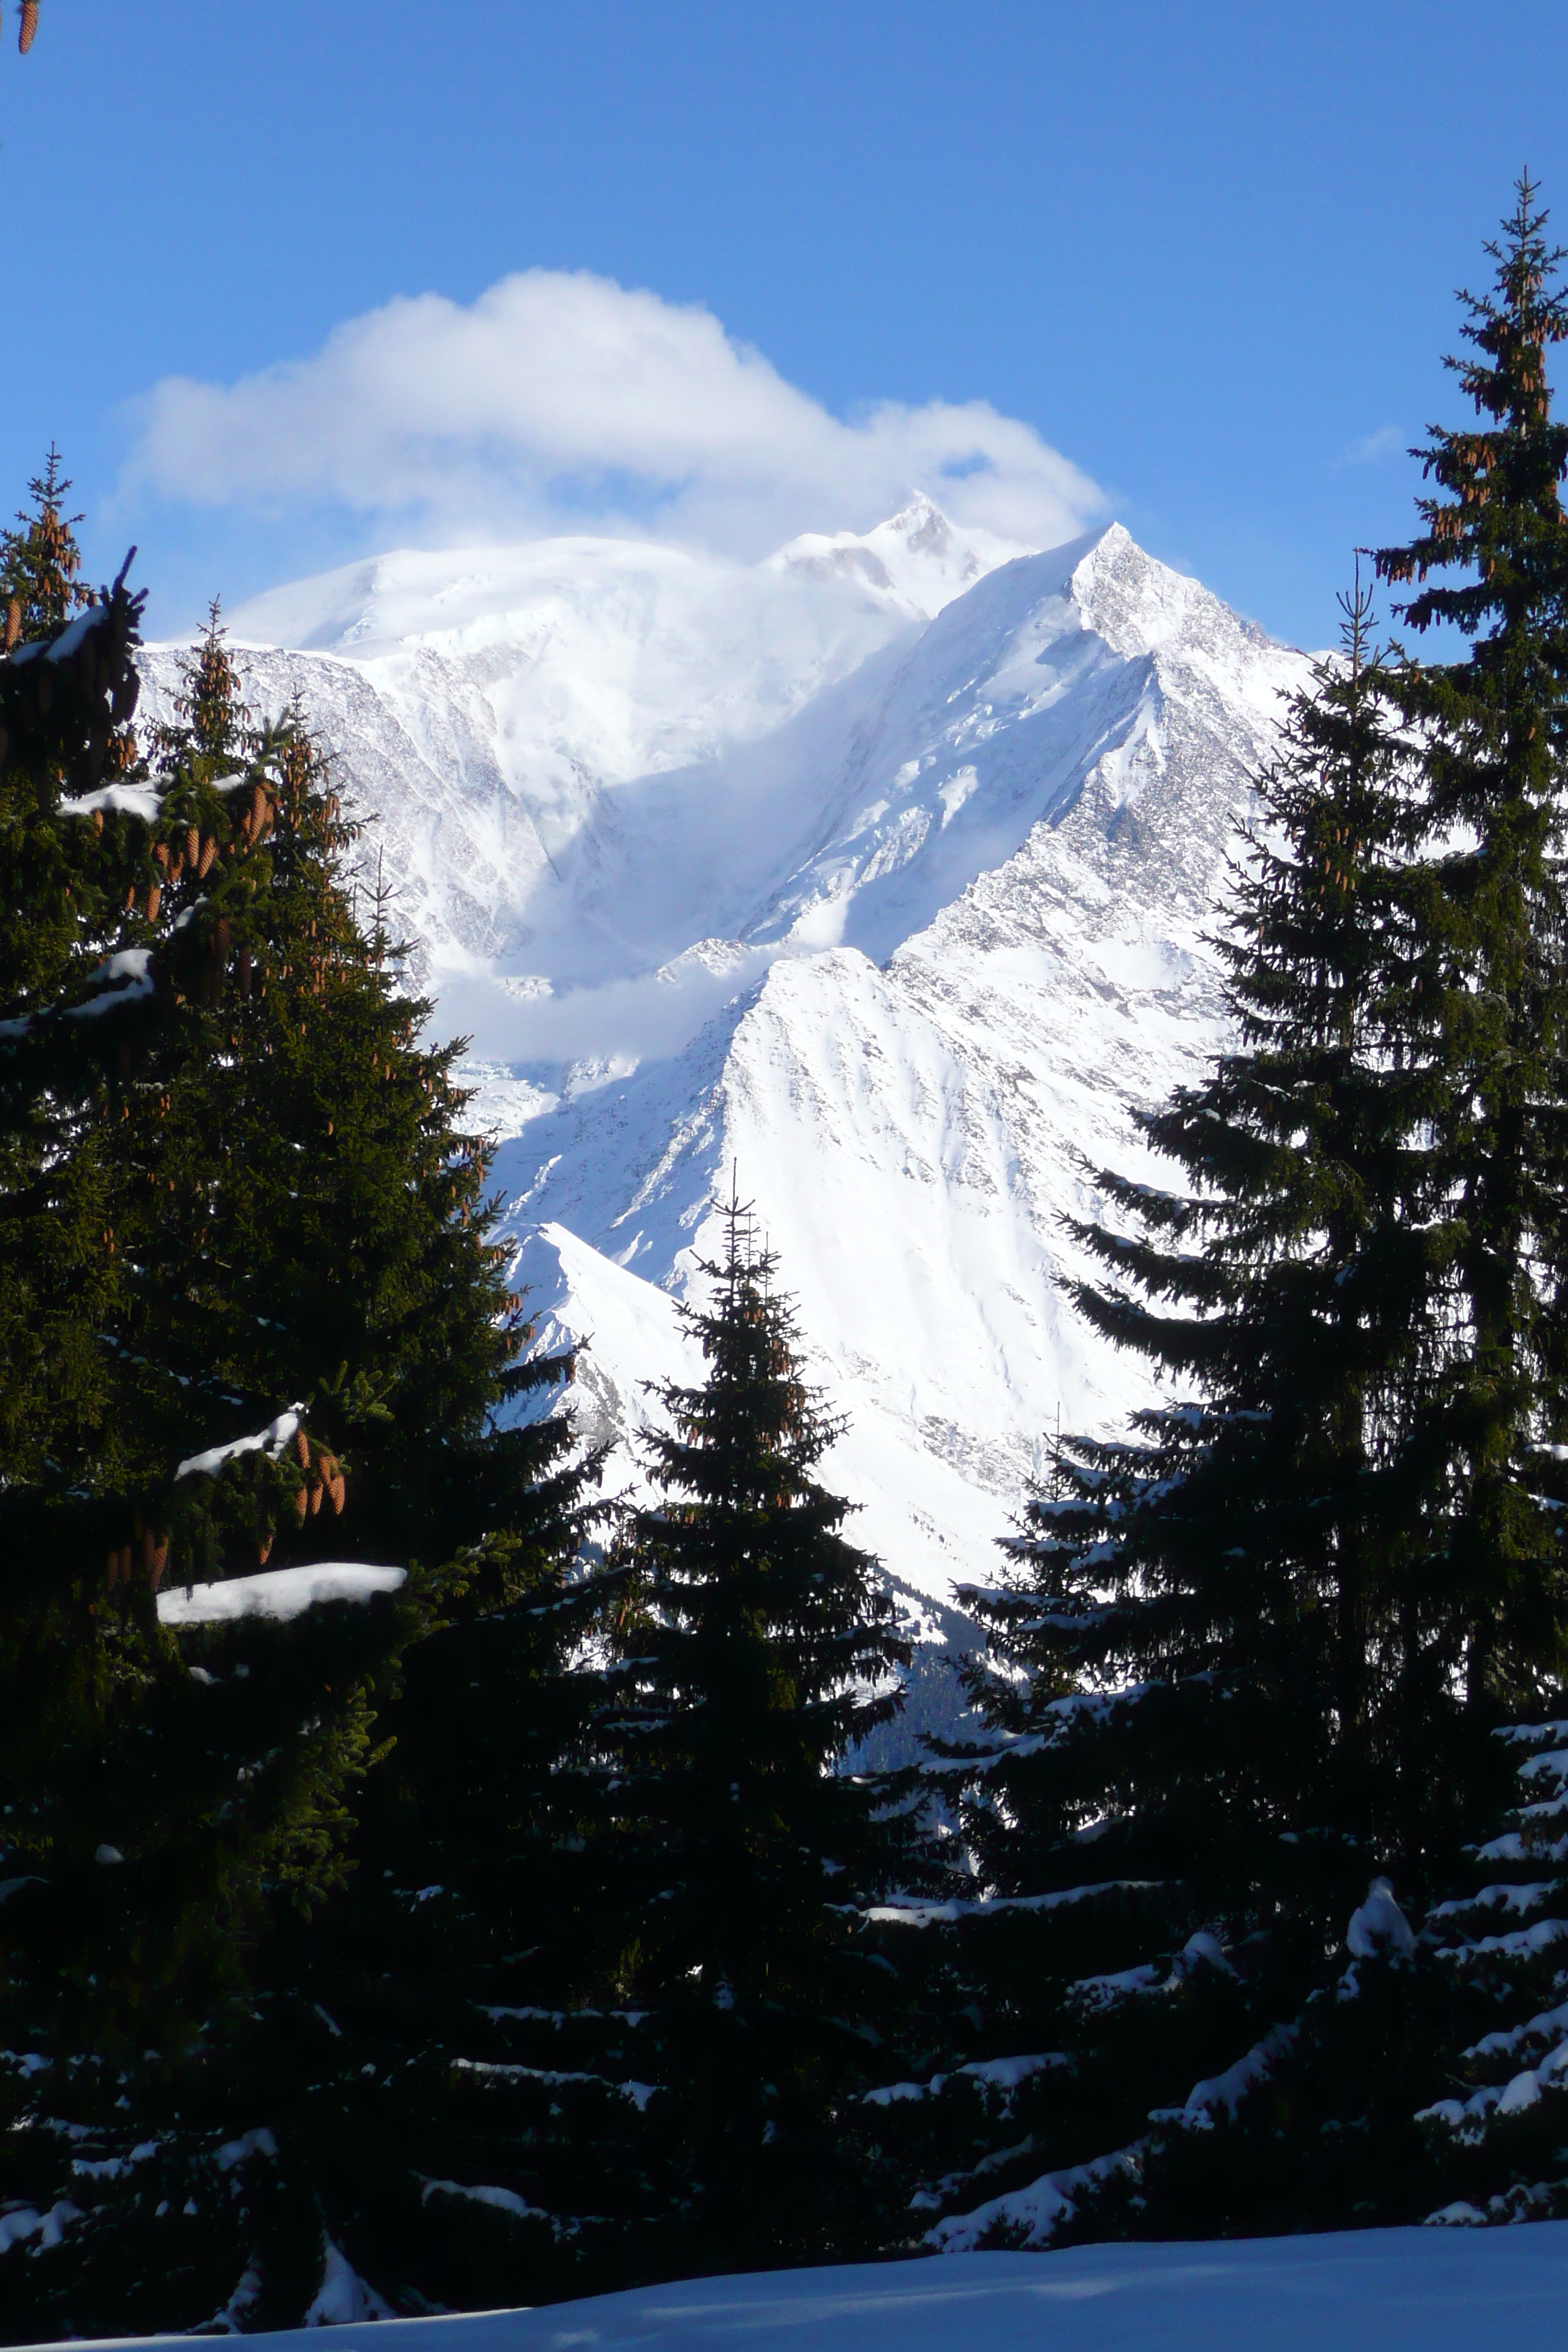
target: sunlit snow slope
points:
(877, 873)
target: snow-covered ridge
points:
(879, 872)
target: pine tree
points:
(102, 1930)
(603, 1972)
(1244, 1559)
(69, 690)
(1263, 1644)
(41, 563)
(71, 1016)
(136, 1866)
(1200, 1677)
(444, 2178)
(676, 2009)
(758, 1652)
(1489, 839)
(1497, 2102)
(302, 1213)
(295, 1287)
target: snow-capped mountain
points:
(873, 878)
(493, 705)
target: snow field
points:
(1369, 2291)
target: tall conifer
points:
(1266, 1642)
(660, 2075)
(297, 1305)
(603, 1971)
(759, 1651)
(1200, 1675)
(307, 1163)
(1487, 837)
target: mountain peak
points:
(922, 524)
(1140, 605)
(915, 562)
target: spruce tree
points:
(70, 1016)
(41, 563)
(1488, 840)
(1265, 1642)
(1200, 1677)
(69, 687)
(1497, 2096)
(758, 1651)
(307, 1161)
(149, 1792)
(444, 2172)
(294, 1300)
(598, 2005)
(657, 2070)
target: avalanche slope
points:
(876, 875)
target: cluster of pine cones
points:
(324, 1477)
(150, 1551)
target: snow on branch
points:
(280, 1593)
(271, 1440)
(933, 1915)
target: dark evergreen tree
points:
(41, 563)
(1497, 2104)
(1255, 1655)
(65, 687)
(1200, 1678)
(672, 2012)
(1489, 838)
(595, 2008)
(441, 2168)
(72, 1016)
(306, 1167)
(758, 1652)
(286, 1280)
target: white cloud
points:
(1388, 441)
(623, 1022)
(563, 401)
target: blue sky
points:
(1204, 254)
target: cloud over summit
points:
(563, 401)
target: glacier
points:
(875, 879)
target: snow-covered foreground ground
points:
(1366, 2291)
